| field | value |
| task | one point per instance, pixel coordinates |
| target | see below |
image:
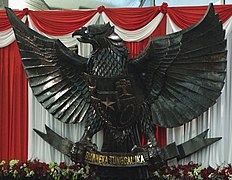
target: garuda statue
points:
(172, 81)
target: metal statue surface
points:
(172, 81)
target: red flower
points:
(23, 173)
(224, 172)
(74, 166)
(45, 166)
(205, 173)
(175, 172)
(230, 170)
(63, 165)
(16, 167)
(186, 170)
(31, 166)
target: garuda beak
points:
(82, 35)
(80, 32)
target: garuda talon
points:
(172, 81)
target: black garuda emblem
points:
(172, 81)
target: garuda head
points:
(99, 36)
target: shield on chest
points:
(115, 99)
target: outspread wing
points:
(54, 73)
(184, 72)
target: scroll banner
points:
(144, 156)
(109, 159)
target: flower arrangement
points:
(194, 171)
(35, 169)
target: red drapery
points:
(131, 18)
(5, 24)
(14, 106)
(186, 16)
(58, 23)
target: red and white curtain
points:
(20, 112)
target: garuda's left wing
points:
(183, 73)
(54, 73)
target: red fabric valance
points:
(4, 22)
(186, 16)
(131, 18)
(58, 23)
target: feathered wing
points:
(54, 73)
(183, 72)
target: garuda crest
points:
(115, 99)
(172, 81)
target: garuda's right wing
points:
(54, 73)
(184, 72)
